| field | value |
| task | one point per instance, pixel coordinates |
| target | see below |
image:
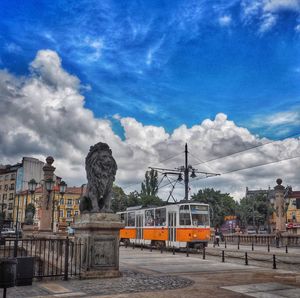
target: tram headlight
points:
(195, 235)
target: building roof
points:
(70, 190)
(295, 194)
(4, 169)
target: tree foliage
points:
(119, 199)
(150, 185)
(254, 211)
(147, 196)
(221, 204)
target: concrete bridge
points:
(154, 274)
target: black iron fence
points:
(52, 257)
(264, 240)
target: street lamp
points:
(49, 184)
(32, 184)
(62, 191)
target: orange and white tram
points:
(180, 225)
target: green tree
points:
(149, 190)
(254, 210)
(221, 204)
(150, 185)
(119, 199)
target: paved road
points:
(152, 274)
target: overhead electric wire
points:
(201, 161)
(161, 161)
(251, 167)
(244, 150)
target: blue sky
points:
(146, 77)
(168, 63)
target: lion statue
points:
(101, 170)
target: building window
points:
(12, 176)
(61, 213)
(69, 213)
(76, 213)
(69, 202)
(298, 203)
(61, 201)
(4, 196)
(6, 177)
(10, 206)
(6, 187)
(12, 186)
(11, 196)
(77, 201)
(0, 187)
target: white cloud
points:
(291, 118)
(267, 11)
(297, 28)
(97, 45)
(281, 5)
(44, 114)
(225, 20)
(13, 48)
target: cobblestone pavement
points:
(130, 282)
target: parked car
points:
(70, 230)
(251, 230)
(262, 230)
(10, 233)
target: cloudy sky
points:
(148, 76)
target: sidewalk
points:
(152, 274)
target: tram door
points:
(139, 228)
(171, 227)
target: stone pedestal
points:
(279, 206)
(99, 236)
(29, 231)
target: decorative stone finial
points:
(279, 187)
(50, 160)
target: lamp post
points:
(62, 191)
(32, 184)
(49, 184)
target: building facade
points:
(293, 213)
(291, 210)
(14, 179)
(8, 175)
(64, 207)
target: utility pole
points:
(186, 174)
(185, 170)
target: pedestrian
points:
(277, 237)
(217, 236)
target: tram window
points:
(200, 215)
(184, 215)
(160, 217)
(149, 217)
(131, 219)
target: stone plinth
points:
(99, 236)
(29, 230)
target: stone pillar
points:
(99, 236)
(279, 206)
(46, 202)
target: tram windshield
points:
(200, 216)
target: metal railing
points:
(52, 257)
